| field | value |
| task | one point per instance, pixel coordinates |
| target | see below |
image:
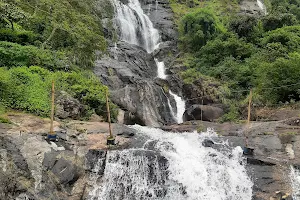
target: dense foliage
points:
(45, 40)
(242, 51)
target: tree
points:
(11, 13)
(273, 76)
(199, 27)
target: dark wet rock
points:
(129, 73)
(254, 161)
(13, 151)
(126, 134)
(202, 112)
(50, 159)
(68, 107)
(208, 143)
(65, 171)
(95, 157)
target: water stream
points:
(173, 166)
(295, 181)
(180, 105)
(262, 6)
(136, 28)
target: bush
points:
(199, 27)
(20, 37)
(284, 71)
(29, 89)
(278, 20)
(222, 47)
(12, 54)
(288, 36)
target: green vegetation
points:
(242, 52)
(45, 40)
(27, 88)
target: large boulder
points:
(68, 107)
(65, 171)
(202, 112)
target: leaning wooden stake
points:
(249, 108)
(52, 109)
(52, 135)
(110, 139)
(247, 150)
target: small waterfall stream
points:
(173, 166)
(262, 6)
(136, 28)
(180, 103)
(295, 181)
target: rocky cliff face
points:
(130, 72)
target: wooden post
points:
(52, 109)
(249, 108)
(110, 139)
(247, 150)
(202, 110)
(52, 135)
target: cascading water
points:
(262, 6)
(295, 181)
(180, 105)
(173, 166)
(160, 69)
(135, 27)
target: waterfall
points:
(262, 6)
(135, 26)
(295, 181)
(173, 166)
(160, 69)
(180, 105)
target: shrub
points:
(12, 54)
(29, 89)
(20, 37)
(199, 27)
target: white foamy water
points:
(135, 26)
(180, 105)
(174, 166)
(160, 69)
(295, 181)
(262, 6)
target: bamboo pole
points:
(249, 108)
(248, 121)
(52, 109)
(108, 115)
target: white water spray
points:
(180, 105)
(160, 69)
(295, 181)
(174, 166)
(135, 26)
(262, 6)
